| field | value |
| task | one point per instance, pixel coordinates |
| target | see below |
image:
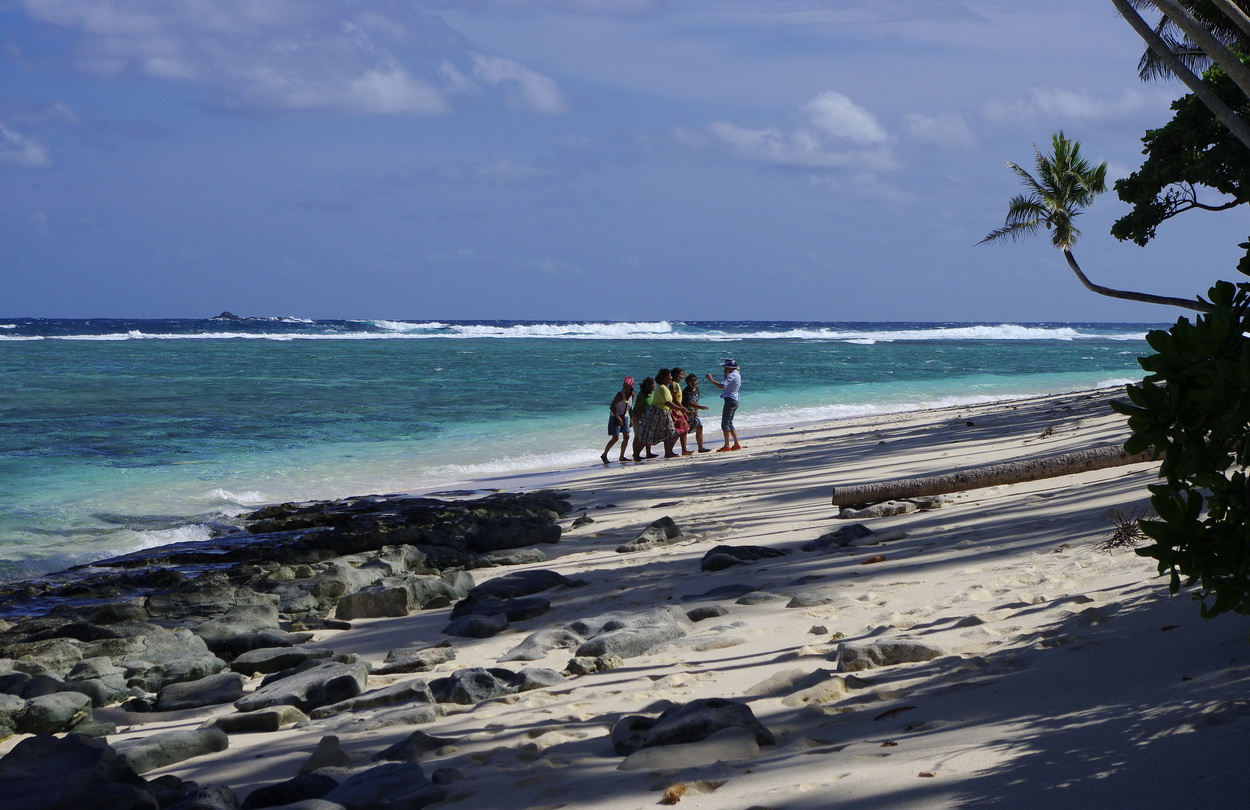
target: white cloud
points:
(1079, 105)
(529, 90)
(262, 58)
(17, 149)
(833, 115)
(943, 130)
(832, 133)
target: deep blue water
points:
(119, 434)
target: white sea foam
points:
(636, 330)
(139, 540)
(249, 499)
(405, 326)
(583, 331)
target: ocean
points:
(117, 435)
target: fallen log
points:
(992, 475)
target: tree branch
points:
(1144, 298)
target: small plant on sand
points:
(1126, 531)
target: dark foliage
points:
(1194, 410)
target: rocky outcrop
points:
(692, 722)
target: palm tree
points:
(1065, 184)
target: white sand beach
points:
(1064, 674)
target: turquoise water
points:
(117, 435)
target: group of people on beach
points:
(665, 413)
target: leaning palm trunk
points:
(1145, 298)
(1203, 91)
(1015, 472)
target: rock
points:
(236, 645)
(808, 599)
(879, 510)
(760, 598)
(446, 776)
(225, 687)
(512, 532)
(13, 683)
(660, 533)
(238, 621)
(412, 748)
(52, 714)
(57, 656)
(45, 772)
(853, 535)
(340, 579)
(376, 601)
(42, 686)
(99, 679)
(438, 592)
(722, 557)
(586, 665)
(320, 685)
(276, 659)
(706, 612)
(630, 635)
(692, 722)
(516, 610)
(509, 586)
(214, 598)
(403, 714)
(11, 707)
(541, 642)
(520, 556)
(630, 642)
(403, 692)
(725, 745)
(857, 656)
(259, 721)
(471, 686)
(476, 626)
(328, 754)
(421, 659)
(531, 678)
(153, 677)
(166, 748)
(398, 785)
(213, 797)
(303, 786)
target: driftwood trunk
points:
(992, 475)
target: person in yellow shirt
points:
(657, 422)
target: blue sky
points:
(568, 159)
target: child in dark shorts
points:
(690, 399)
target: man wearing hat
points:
(729, 393)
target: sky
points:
(570, 159)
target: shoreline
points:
(1061, 673)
